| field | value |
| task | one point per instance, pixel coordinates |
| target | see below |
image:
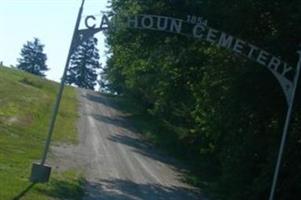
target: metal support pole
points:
(285, 129)
(60, 93)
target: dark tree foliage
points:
(33, 59)
(82, 71)
(225, 113)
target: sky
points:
(52, 21)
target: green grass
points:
(26, 103)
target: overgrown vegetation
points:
(222, 111)
(25, 106)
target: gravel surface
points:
(117, 162)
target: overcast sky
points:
(52, 21)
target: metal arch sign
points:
(198, 29)
(286, 75)
(192, 27)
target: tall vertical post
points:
(39, 172)
(285, 129)
(59, 96)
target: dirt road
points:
(117, 163)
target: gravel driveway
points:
(116, 162)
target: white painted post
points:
(285, 129)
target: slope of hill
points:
(25, 107)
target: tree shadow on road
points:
(119, 189)
(119, 103)
(127, 126)
(126, 136)
(106, 100)
(144, 148)
(118, 121)
(136, 142)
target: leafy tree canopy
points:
(225, 112)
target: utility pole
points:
(41, 173)
(285, 129)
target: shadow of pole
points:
(19, 196)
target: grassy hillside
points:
(25, 107)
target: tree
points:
(223, 112)
(33, 60)
(84, 62)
